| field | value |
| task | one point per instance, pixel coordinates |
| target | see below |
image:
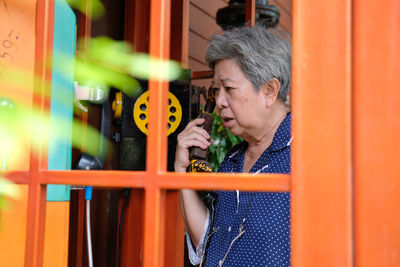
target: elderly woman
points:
(252, 79)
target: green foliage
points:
(114, 64)
(223, 141)
(8, 189)
(106, 64)
(98, 9)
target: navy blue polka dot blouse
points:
(252, 228)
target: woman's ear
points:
(270, 91)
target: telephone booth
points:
(345, 101)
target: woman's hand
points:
(191, 136)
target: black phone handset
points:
(197, 156)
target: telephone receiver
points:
(197, 156)
(91, 162)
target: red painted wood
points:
(376, 131)
(321, 153)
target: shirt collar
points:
(282, 137)
(238, 153)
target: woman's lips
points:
(228, 122)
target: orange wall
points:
(13, 232)
(17, 21)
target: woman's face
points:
(240, 106)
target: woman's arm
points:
(194, 214)
(194, 211)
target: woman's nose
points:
(220, 99)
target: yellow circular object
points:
(141, 113)
(117, 105)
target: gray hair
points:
(262, 54)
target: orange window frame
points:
(336, 110)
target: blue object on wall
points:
(62, 96)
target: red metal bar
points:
(95, 178)
(156, 157)
(154, 230)
(321, 155)
(34, 246)
(18, 177)
(376, 100)
(159, 48)
(250, 12)
(242, 181)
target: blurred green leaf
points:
(20, 124)
(143, 66)
(9, 189)
(115, 64)
(98, 9)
